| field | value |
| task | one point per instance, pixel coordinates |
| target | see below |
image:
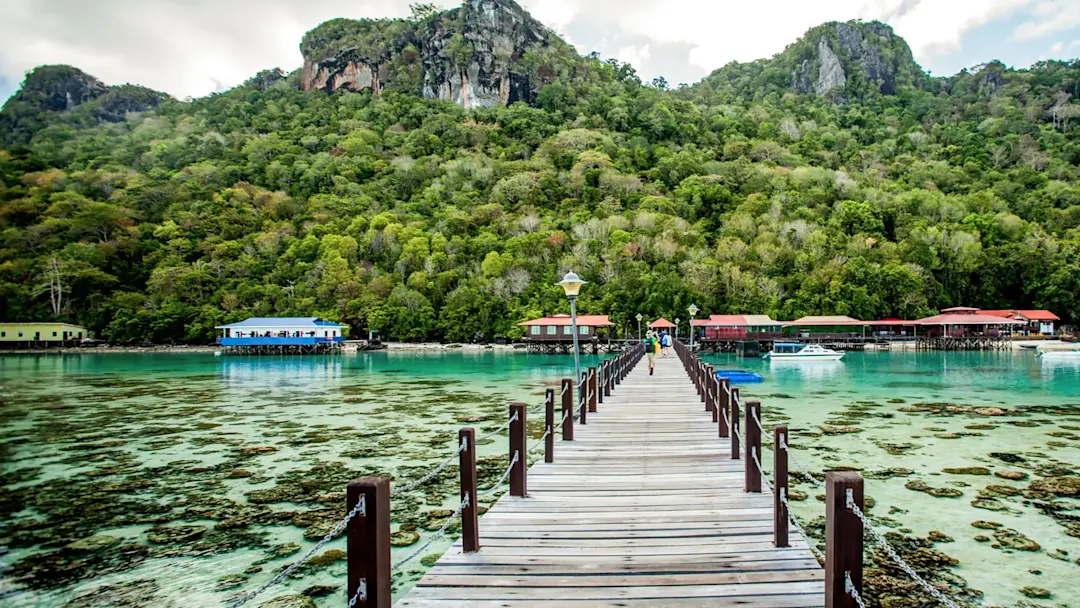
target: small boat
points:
(791, 351)
(1059, 355)
(739, 376)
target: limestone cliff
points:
(63, 92)
(860, 55)
(840, 61)
(474, 55)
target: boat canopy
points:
(788, 344)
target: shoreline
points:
(397, 347)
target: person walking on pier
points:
(651, 346)
(665, 343)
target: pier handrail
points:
(844, 515)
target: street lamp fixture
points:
(693, 310)
(571, 284)
(639, 318)
(677, 321)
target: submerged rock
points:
(968, 471)
(164, 535)
(1013, 475)
(93, 543)
(1037, 593)
(1062, 486)
(921, 486)
(1011, 539)
(290, 601)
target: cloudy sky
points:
(194, 47)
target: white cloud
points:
(634, 55)
(184, 46)
(1056, 48)
(1050, 16)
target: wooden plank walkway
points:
(644, 508)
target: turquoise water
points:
(146, 479)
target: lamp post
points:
(571, 284)
(677, 321)
(639, 318)
(693, 311)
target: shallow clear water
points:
(257, 452)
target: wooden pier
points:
(644, 507)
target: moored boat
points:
(792, 351)
(738, 376)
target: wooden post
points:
(609, 378)
(734, 423)
(723, 404)
(470, 525)
(715, 387)
(549, 425)
(710, 397)
(592, 389)
(753, 447)
(843, 538)
(568, 408)
(518, 443)
(600, 382)
(780, 485)
(368, 538)
(582, 399)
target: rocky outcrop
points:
(61, 91)
(469, 59)
(829, 56)
(471, 55)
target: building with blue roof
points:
(281, 335)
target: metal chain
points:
(565, 416)
(433, 473)
(502, 479)
(361, 594)
(852, 591)
(540, 441)
(895, 556)
(761, 470)
(359, 508)
(500, 429)
(802, 469)
(436, 536)
(798, 526)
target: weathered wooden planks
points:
(644, 508)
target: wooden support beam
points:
(549, 425)
(780, 486)
(518, 445)
(843, 538)
(470, 525)
(368, 541)
(568, 409)
(592, 388)
(734, 423)
(753, 447)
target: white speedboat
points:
(1059, 355)
(789, 351)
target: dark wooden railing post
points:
(592, 389)
(609, 378)
(600, 371)
(723, 404)
(714, 382)
(753, 447)
(470, 525)
(568, 408)
(368, 538)
(518, 442)
(583, 397)
(710, 396)
(549, 425)
(734, 423)
(843, 538)
(780, 486)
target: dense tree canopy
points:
(421, 220)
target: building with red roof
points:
(1036, 321)
(559, 327)
(738, 327)
(963, 322)
(661, 323)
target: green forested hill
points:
(422, 220)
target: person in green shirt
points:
(650, 350)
